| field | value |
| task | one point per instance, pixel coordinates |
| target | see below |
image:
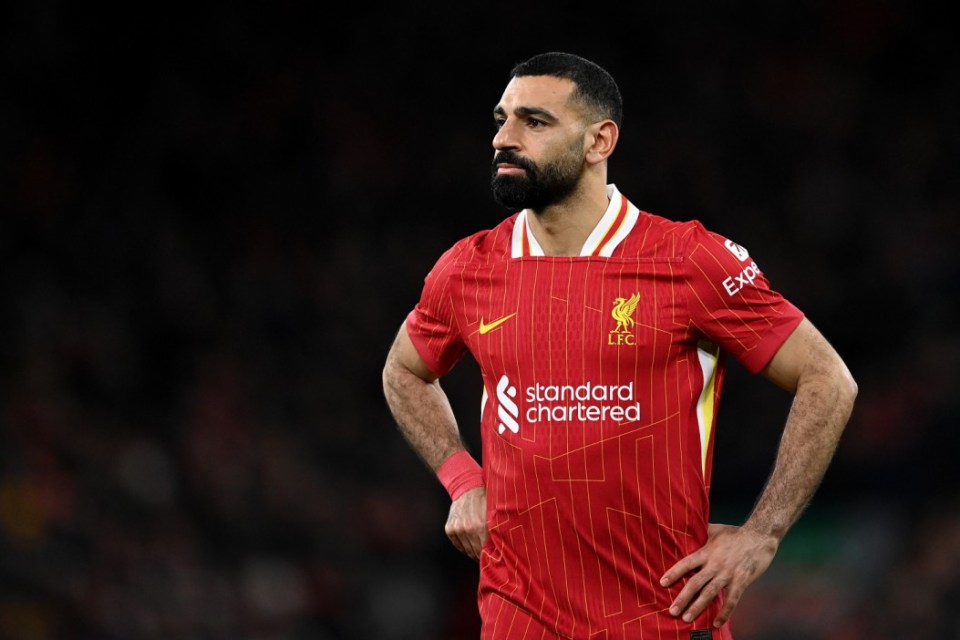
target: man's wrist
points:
(460, 473)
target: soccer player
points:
(601, 332)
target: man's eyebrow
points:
(526, 112)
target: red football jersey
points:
(601, 379)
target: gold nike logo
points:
(487, 328)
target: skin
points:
(537, 119)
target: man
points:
(601, 332)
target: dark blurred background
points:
(213, 221)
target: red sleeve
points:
(432, 324)
(731, 301)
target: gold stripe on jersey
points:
(613, 227)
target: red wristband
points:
(459, 473)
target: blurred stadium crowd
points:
(212, 225)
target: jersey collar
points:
(615, 224)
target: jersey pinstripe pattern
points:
(602, 374)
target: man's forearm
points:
(820, 410)
(423, 414)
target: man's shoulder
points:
(693, 234)
(478, 249)
(485, 244)
(666, 236)
(675, 224)
(693, 242)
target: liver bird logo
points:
(623, 309)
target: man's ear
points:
(601, 140)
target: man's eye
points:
(533, 123)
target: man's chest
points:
(554, 313)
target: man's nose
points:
(505, 138)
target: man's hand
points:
(467, 523)
(729, 562)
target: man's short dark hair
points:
(595, 88)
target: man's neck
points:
(563, 228)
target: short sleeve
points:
(431, 324)
(732, 302)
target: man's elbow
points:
(389, 374)
(852, 388)
(846, 385)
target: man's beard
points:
(540, 187)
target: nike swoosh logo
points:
(487, 328)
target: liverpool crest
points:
(623, 309)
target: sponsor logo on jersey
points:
(734, 284)
(741, 253)
(584, 403)
(507, 409)
(622, 312)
